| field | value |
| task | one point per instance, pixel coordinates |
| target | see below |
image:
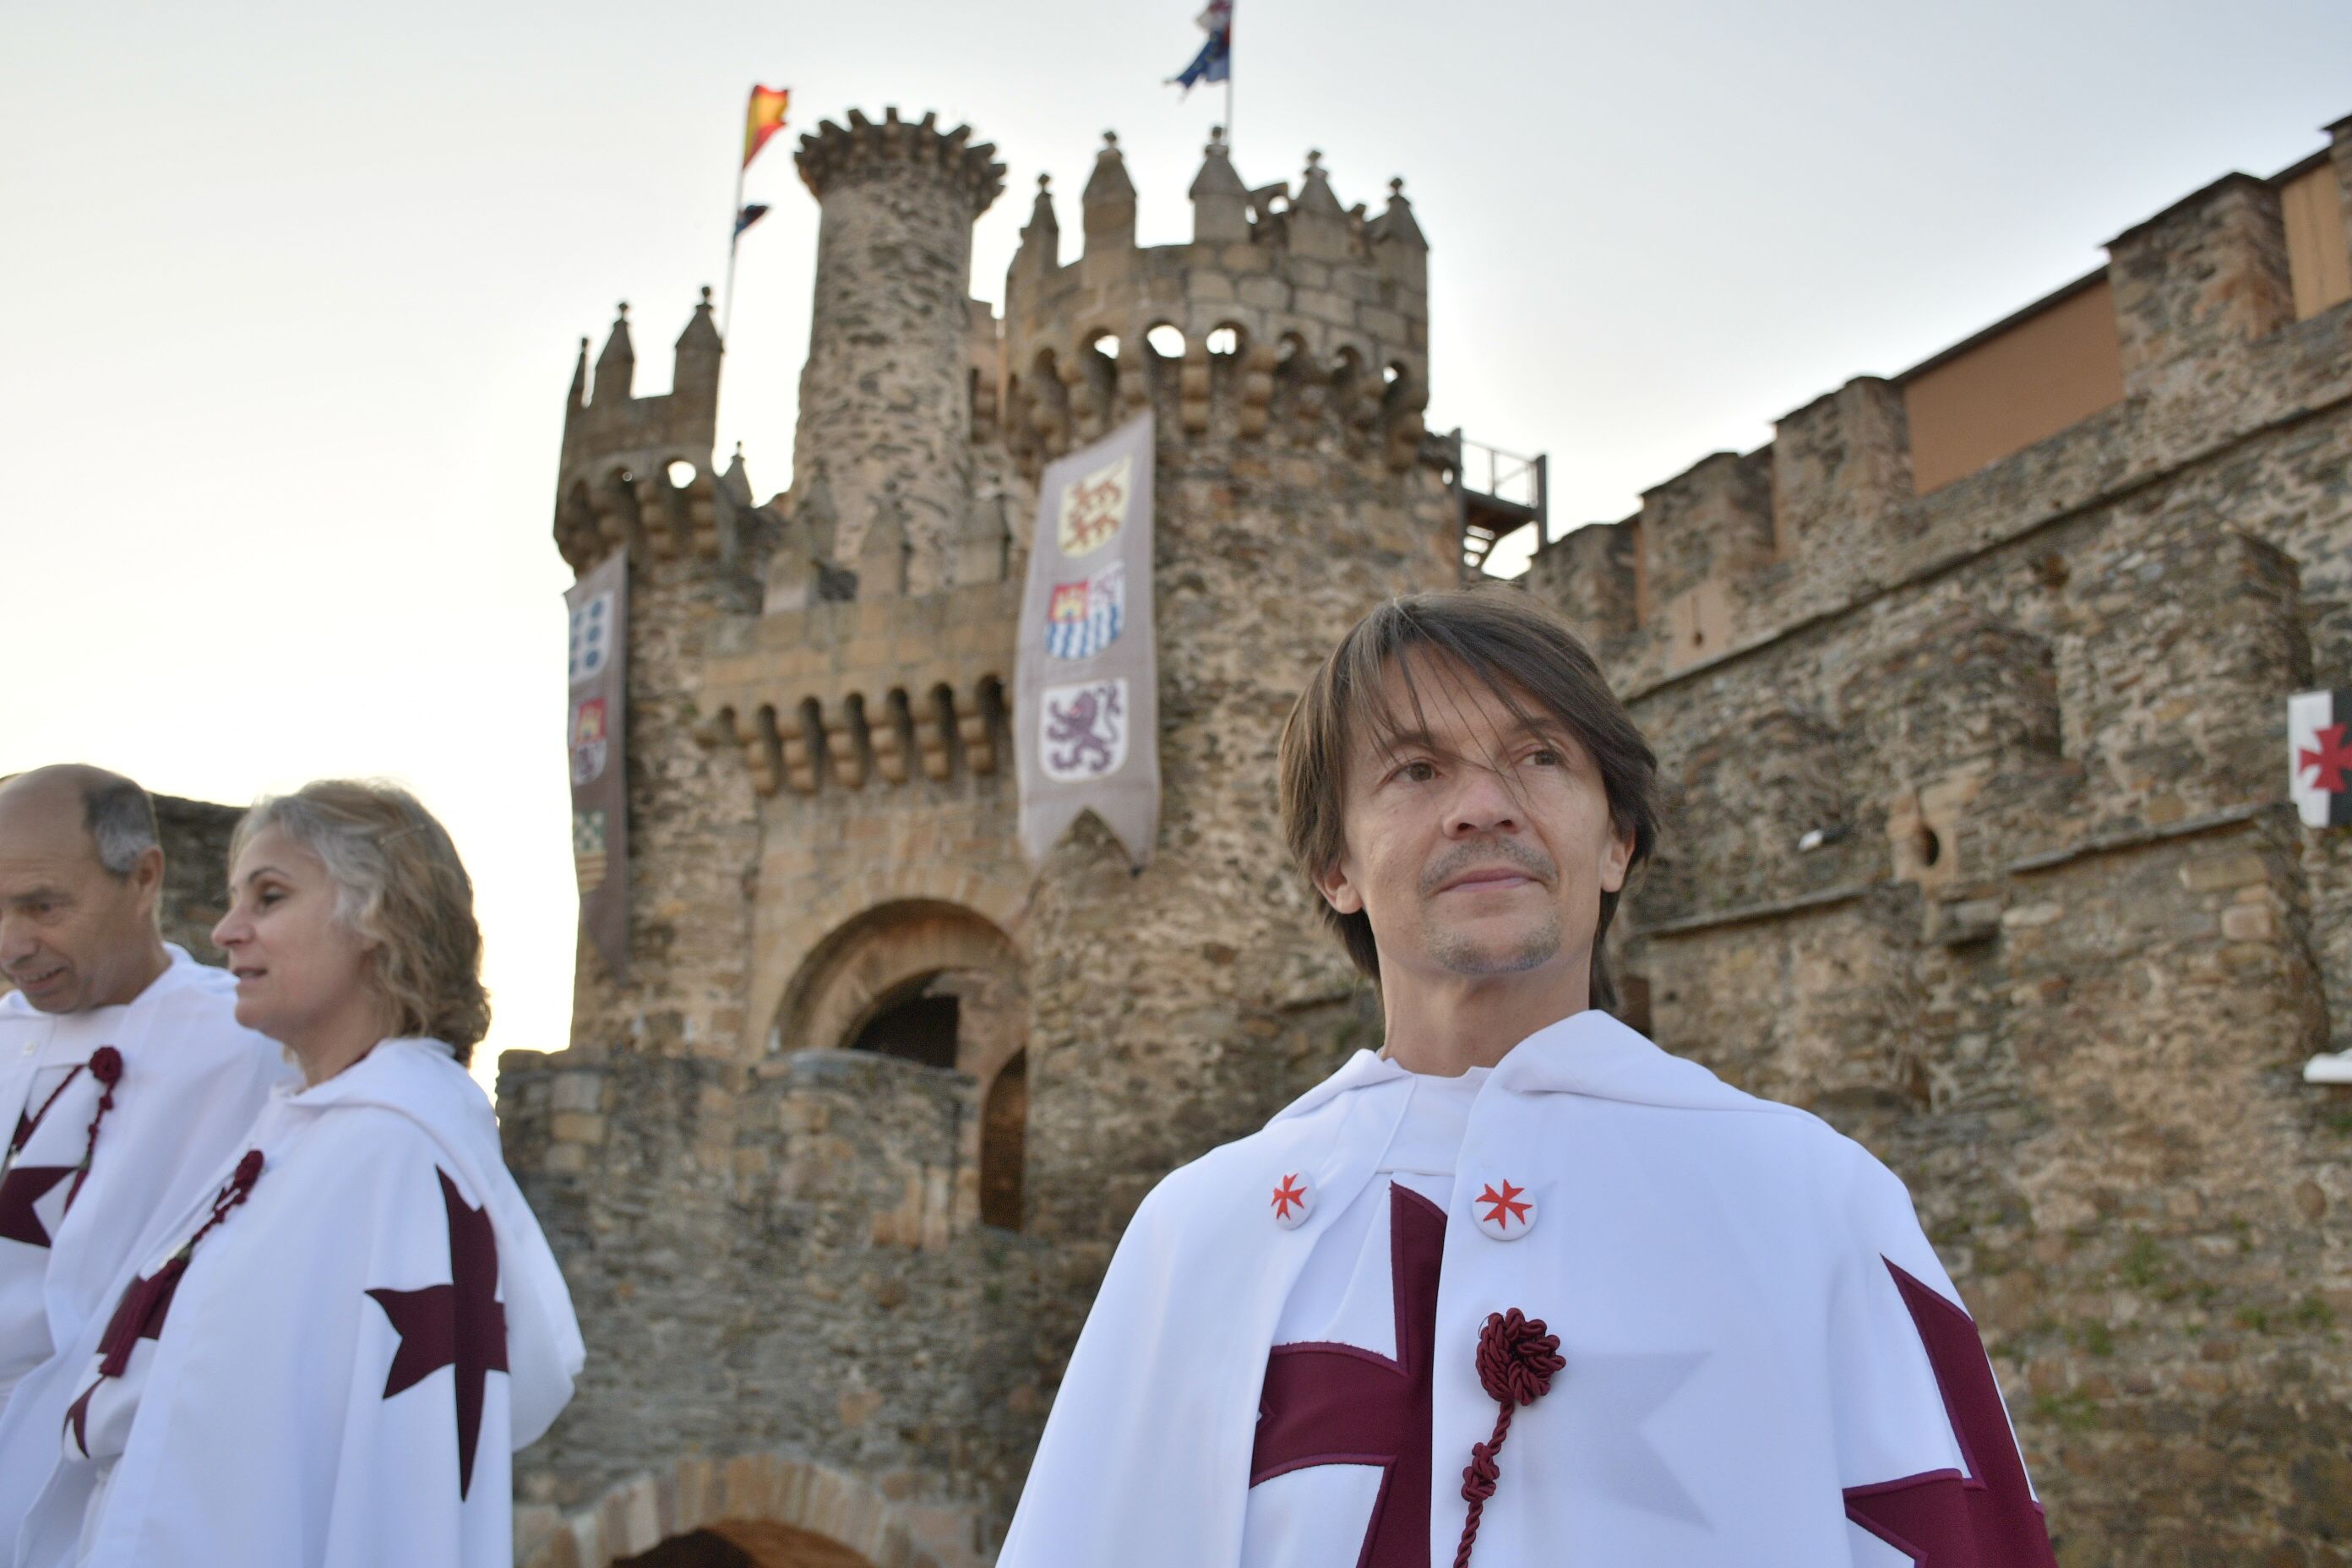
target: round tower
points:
(1284, 353)
(886, 395)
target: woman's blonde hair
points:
(401, 887)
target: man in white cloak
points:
(125, 1081)
(1523, 1284)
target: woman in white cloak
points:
(331, 1362)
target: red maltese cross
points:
(1343, 1404)
(2332, 758)
(1986, 1518)
(459, 1325)
(1502, 1207)
(1287, 1196)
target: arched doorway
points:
(755, 1511)
(937, 984)
(747, 1543)
(1003, 1135)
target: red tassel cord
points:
(106, 1066)
(139, 1314)
(147, 1300)
(1516, 1362)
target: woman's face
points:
(301, 974)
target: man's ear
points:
(1616, 860)
(147, 876)
(1339, 889)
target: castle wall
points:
(2059, 947)
(195, 836)
(764, 1258)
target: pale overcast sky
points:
(291, 292)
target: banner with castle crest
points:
(594, 733)
(1087, 707)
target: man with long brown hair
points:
(1707, 1327)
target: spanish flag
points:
(765, 118)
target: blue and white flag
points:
(1215, 60)
(1083, 618)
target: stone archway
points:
(757, 1511)
(939, 984)
(886, 955)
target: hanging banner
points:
(594, 735)
(1087, 707)
(2318, 759)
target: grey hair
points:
(122, 822)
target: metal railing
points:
(1496, 494)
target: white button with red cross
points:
(1504, 1210)
(1293, 1195)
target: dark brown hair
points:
(1500, 636)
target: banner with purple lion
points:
(1087, 708)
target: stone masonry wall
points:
(194, 835)
(764, 1257)
(2055, 947)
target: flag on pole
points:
(748, 216)
(1215, 60)
(763, 119)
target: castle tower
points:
(876, 1083)
(885, 412)
(638, 474)
(1284, 351)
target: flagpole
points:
(1229, 96)
(734, 240)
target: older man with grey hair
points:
(126, 1084)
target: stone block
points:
(577, 1127)
(1265, 293)
(2200, 281)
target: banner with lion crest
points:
(1087, 708)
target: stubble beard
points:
(1459, 952)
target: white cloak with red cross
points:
(1765, 1367)
(339, 1369)
(76, 1204)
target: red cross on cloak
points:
(459, 1325)
(146, 1302)
(20, 1189)
(1986, 1519)
(1326, 1404)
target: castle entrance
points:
(747, 1543)
(938, 984)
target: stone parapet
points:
(1739, 550)
(1298, 314)
(844, 694)
(774, 1261)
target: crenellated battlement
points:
(1303, 317)
(2216, 317)
(833, 156)
(620, 481)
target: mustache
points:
(1521, 857)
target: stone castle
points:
(1970, 690)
